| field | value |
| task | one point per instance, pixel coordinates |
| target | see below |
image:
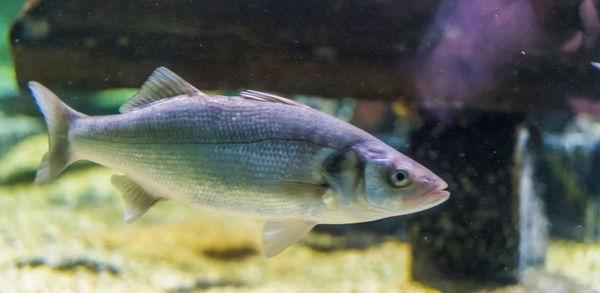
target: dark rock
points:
(474, 235)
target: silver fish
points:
(254, 155)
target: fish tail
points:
(58, 117)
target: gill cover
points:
(344, 173)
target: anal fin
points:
(137, 200)
(280, 234)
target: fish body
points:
(254, 155)
(228, 154)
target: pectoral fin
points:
(137, 200)
(279, 234)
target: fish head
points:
(377, 181)
(398, 185)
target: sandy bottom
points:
(69, 236)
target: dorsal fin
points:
(266, 97)
(161, 84)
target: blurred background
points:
(498, 97)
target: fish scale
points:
(214, 173)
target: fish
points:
(255, 155)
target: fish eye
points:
(399, 178)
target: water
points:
(419, 75)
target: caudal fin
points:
(58, 116)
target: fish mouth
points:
(440, 195)
(441, 191)
(437, 196)
(426, 200)
(434, 198)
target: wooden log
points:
(328, 48)
(363, 49)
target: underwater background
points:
(498, 97)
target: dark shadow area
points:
(72, 265)
(206, 284)
(231, 254)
